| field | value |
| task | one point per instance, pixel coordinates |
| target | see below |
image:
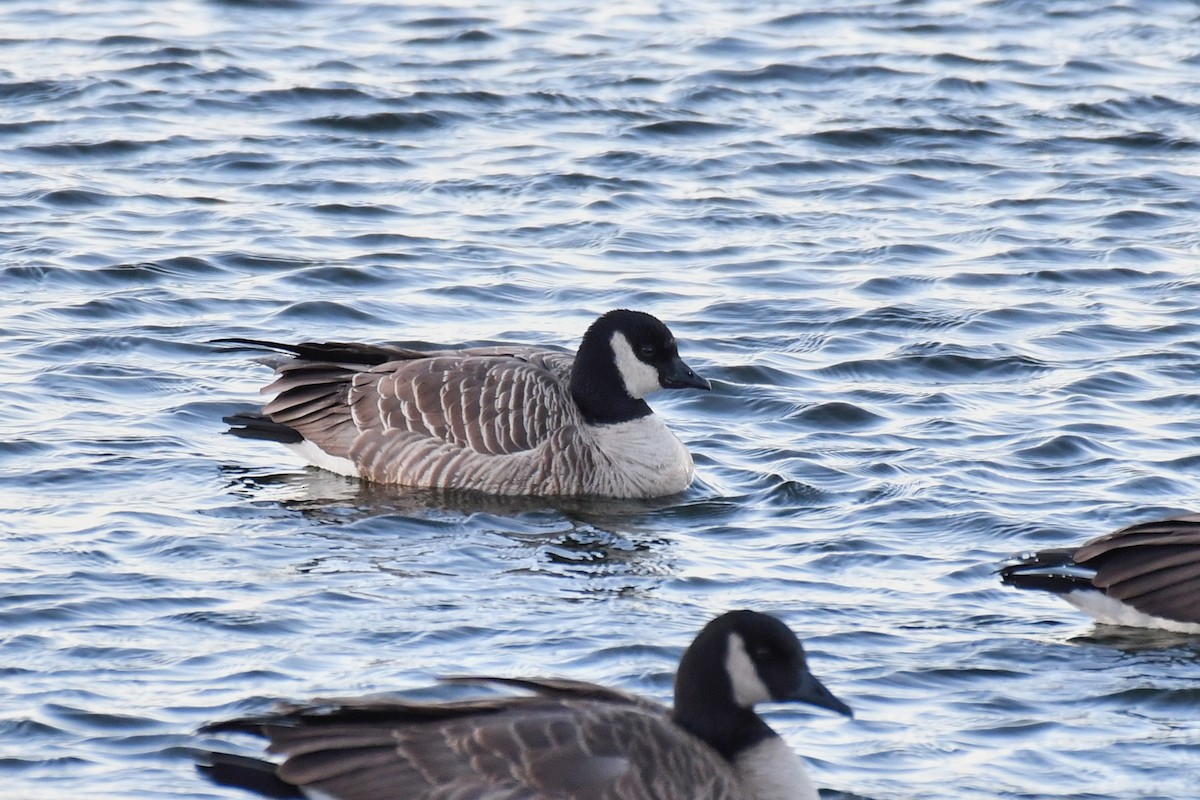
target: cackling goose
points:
(567, 740)
(501, 420)
(1145, 576)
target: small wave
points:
(348, 210)
(682, 127)
(383, 122)
(1138, 254)
(1144, 140)
(472, 37)
(465, 20)
(303, 95)
(823, 166)
(1132, 219)
(964, 85)
(894, 285)
(127, 40)
(266, 5)
(939, 368)
(895, 136)
(1064, 449)
(261, 264)
(114, 148)
(1092, 276)
(76, 198)
(811, 19)
(1134, 108)
(773, 73)
(242, 622)
(903, 317)
(38, 91)
(18, 128)
(838, 416)
(324, 311)
(341, 276)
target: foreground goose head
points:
(503, 420)
(567, 740)
(1145, 576)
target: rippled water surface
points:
(938, 258)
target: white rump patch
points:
(319, 458)
(640, 378)
(772, 771)
(748, 688)
(1110, 611)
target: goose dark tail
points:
(252, 774)
(260, 426)
(1048, 571)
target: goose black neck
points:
(704, 698)
(726, 728)
(596, 383)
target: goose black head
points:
(624, 356)
(738, 660)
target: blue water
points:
(939, 260)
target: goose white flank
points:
(508, 420)
(566, 740)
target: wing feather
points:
(1154, 567)
(565, 744)
(464, 402)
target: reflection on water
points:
(595, 543)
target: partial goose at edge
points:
(1145, 576)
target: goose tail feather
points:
(244, 772)
(260, 426)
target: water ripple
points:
(937, 262)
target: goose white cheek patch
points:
(639, 377)
(748, 688)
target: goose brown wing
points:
(524, 748)
(311, 387)
(489, 404)
(1154, 567)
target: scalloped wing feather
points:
(492, 423)
(519, 749)
(1154, 567)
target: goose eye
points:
(762, 653)
(646, 351)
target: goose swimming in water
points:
(509, 420)
(567, 740)
(1145, 576)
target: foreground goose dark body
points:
(1145, 576)
(567, 741)
(500, 420)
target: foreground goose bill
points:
(681, 376)
(511, 420)
(1144, 576)
(812, 691)
(563, 740)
